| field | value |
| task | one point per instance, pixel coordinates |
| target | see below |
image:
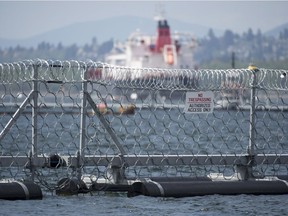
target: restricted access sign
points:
(199, 102)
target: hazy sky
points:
(22, 19)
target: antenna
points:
(160, 11)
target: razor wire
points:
(152, 123)
(155, 78)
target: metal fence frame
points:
(118, 163)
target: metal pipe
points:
(148, 160)
(106, 125)
(16, 115)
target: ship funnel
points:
(163, 35)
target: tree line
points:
(247, 48)
(212, 51)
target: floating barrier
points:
(118, 110)
(16, 190)
(111, 187)
(194, 187)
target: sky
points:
(23, 19)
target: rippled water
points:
(119, 204)
(271, 129)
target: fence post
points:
(80, 154)
(34, 148)
(244, 171)
(252, 129)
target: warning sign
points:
(199, 102)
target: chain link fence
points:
(93, 126)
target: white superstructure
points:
(163, 50)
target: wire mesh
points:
(139, 110)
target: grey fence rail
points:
(73, 127)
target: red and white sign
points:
(199, 102)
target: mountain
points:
(276, 31)
(118, 28)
